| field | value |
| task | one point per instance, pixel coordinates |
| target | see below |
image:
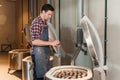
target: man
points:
(40, 42)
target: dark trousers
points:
(39, 79)
(34, 71)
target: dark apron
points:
(41, 56)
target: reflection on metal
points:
(90, 45)
(52, 31)
(77, 51)
(79, 30)
(27, 68)
(49, 1)
(97, 61)
(89, 42)
(75, 55)
(54, 36)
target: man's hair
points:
(47, 7)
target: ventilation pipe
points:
(49, 1)
(27, 26)
(31, 9)
(37, 7)
(105, 36)
(105, 39)
(57, 55)
(59, 18)
(79, 30)
(79, 41)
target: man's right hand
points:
(55, 43)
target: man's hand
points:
(55, 43)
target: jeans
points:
(34, 73)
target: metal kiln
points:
(96, 54)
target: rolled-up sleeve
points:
(35, 32)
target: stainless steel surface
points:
(57, 60)
(15, 58)
(89, 42)
(53, 35)
(27, 68)
(76, 55)
(94, 46)
(50, 74)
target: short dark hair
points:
(47, 7)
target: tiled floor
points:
(4, 65)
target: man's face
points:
(48, 14)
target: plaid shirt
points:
(37, 28)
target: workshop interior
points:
(88, 31)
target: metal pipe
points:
(105, 36)
(59, 20)
(31, 11)
(22, 41)
(79, 30)
(49, 1)
(37, 7)
(82, 8)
